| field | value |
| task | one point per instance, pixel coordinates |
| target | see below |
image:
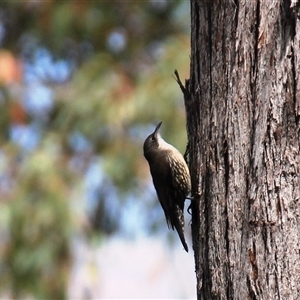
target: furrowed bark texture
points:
(243, 109)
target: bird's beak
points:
(157, 128)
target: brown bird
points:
(171, 179)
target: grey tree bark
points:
(243, 110)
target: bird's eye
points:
(153, 138)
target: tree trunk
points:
(243, 110)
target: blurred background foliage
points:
(82, 84)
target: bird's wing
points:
(162, 178)
(171, 196)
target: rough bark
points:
(243, 110)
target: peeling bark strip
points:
(243, 111)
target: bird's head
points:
(153, 141)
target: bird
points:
(171, 179)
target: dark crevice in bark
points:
(253, 79)
(264, 234)
(206, 271)
(253, 87)
(255, 60)
(229, 291)
(277, 279)
(195, 63)
(294, 82)
(236, 17)
(252, 294)
(253, 285)
(226, 166)
(288, 23)
(210, 25)
(290, 17)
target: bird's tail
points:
(181, 236)
(179, 225)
